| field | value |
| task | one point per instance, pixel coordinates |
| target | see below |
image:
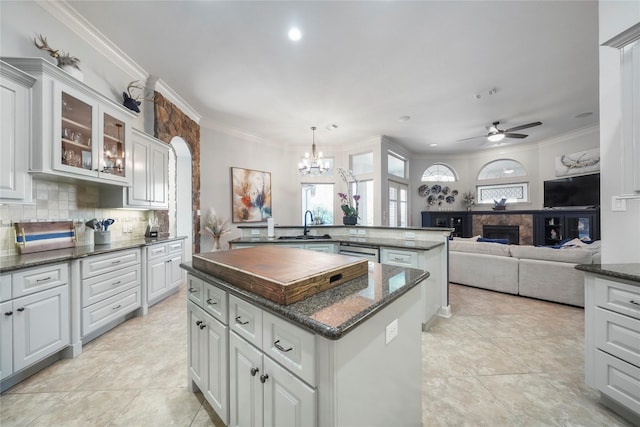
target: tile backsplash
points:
(59, 201)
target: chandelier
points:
(313, 165)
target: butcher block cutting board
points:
(282, 275)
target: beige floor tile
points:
(22, 409)
(160, 407)
(545, 354)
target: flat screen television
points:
(572, 192)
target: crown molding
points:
(77, 23)
(235, 132)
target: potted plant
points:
(349, 207)
(469, 199)
(215, 226)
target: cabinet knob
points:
(211, 302)
(634, 302)
(204, 325)
(21, 309)
(254, 371)
(264, 378)
(8, 313)
(238, 320)
(199, 322)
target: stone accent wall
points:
(524, 221)
(170, 122)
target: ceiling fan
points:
(496, 135)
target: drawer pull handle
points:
(169, 260)
(43, 280)
(254, 371)
(264, 378)
(116, 283)
(115, 262)
(193, 290)
(281, 348)
(240, 321)
(634, 302)
(199, 322)
(21, 309)
(204, 325)
(335, 278)
(211, 302)
(8, 313)
(117, 307)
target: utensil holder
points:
(101, 237)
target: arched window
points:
(503, 168)
(439, 172)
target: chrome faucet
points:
(306, 228)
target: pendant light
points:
(313, 165)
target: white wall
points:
(538, 160)
(620, 230)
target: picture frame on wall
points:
(250, 195)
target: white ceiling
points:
(363, 64)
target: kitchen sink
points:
(303, 237)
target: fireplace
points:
(509, 232)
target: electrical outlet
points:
(409, 235)
(255, 232)
(618, 204)
(391, 331)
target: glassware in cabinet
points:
(76, 128)
(113, 146)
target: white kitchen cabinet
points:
(164, 274)
(400, 257)
(208, 358)
(36, 321)
(110, 289)
(612, 341)
(245, 384)
(90, 132)
(15, 134)
(320, 247)
(150, 172)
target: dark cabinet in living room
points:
(552, 227)
(459, 221)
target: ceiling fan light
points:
(495, 137)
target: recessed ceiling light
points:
(404, 118)
(294, 34)
(433, 145)
(332, 127)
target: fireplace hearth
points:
(509, 232)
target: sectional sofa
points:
(538, 272)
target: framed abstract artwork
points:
(250, 195)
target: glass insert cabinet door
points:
(77, 122)
(113, 148)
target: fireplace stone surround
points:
(524, 222)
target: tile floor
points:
(500, 360)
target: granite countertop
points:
(618, 271)
(16, 262)
(335, 312)
(355, 240)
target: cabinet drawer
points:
(246, 320)
(100, 264)
(215, 302)
(399, 257)
(618, 297)
(105, 285)
(176, 247)
(195, 289)
(101, 313)
(157, 251)
(618, 335)
(291, 346)
(32, 280)
(618, 379)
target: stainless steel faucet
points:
(306, 229)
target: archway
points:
(182, 208)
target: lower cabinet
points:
(164, 274)
(208, 362)
(263, 393)
(36, 324)
(111, 288)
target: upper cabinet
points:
(15, 134)
(150, 176)
(77, 132)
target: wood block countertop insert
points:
(282, 275)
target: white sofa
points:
(537, 272)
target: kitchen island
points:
(348, 356)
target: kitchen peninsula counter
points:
(371, 241)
